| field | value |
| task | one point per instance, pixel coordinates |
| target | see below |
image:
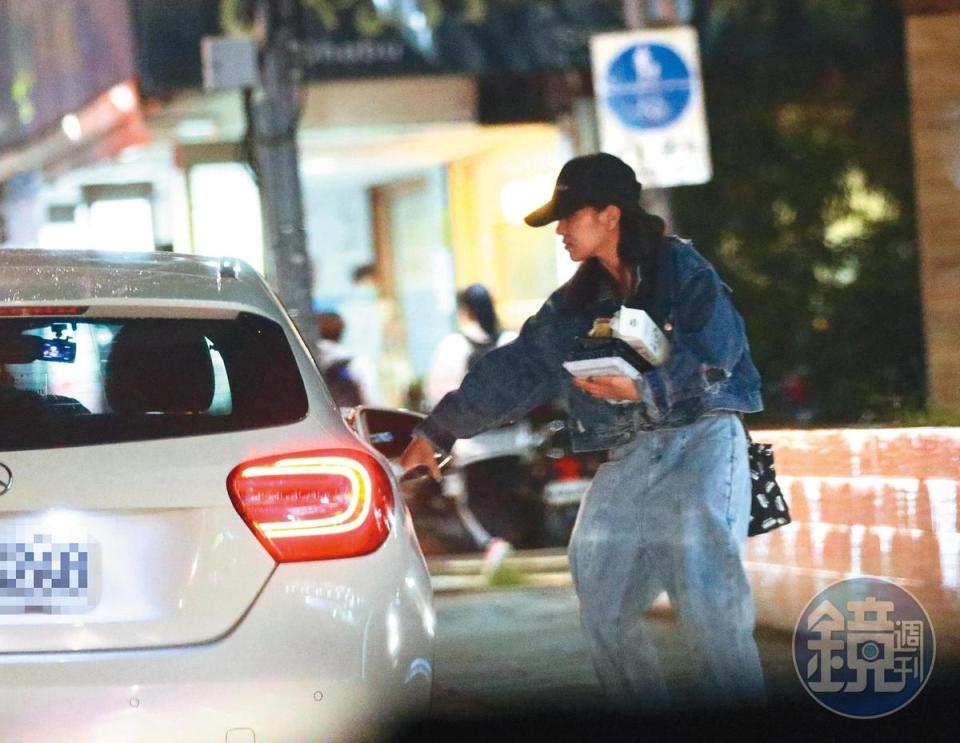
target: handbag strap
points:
(745, 429)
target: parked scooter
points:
(443, 521)
(523, 483)
(492, 474)
(520, 484)
(561, 476)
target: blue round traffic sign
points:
(648, 86)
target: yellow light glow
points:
(521, 196)
(225, 212)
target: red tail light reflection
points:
(41, 311)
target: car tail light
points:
(567, 468)
(314, 505)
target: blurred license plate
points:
(565, 492)
(43, 572)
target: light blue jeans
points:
(669, 511)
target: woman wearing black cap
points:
(669, 511)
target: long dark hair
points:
(639, 247)
(478, 303)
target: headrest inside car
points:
(159, 368)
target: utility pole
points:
(273, 116)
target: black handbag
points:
(768, 507)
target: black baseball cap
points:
(588, 180)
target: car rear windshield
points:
(75, 381)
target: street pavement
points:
(511, 663)
(522, 648)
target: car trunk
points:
(103, 549)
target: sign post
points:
(650, 106)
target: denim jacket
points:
(709, 368)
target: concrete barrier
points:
(881, 502)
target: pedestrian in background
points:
(669, 510)
(478, 331)
(366, 312)
(346, 375)
(482, 509)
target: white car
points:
(193, 544)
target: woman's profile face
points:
(590, 233)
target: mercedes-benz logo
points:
(6, 478)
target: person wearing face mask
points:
(669, 510)
(484, 506)
(478, 331)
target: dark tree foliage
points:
(810, 212)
